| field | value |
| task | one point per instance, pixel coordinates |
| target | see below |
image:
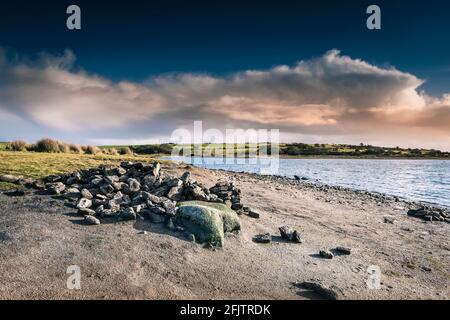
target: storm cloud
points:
(331, 98)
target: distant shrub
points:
(18, 145)
(109, 151)
(113, 151)
(47, 145)
(126, 151)
(63, 147)
(154, 149)
(74, 148)
(91, 150)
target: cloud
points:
(332, 97)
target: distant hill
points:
(299, 150)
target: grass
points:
(38, 165)
(5, 186)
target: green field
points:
(37, 165)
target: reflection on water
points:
(420, 180)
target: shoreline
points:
(306, 157)
(315, 184)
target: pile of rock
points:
(430, 214)
(136, 188)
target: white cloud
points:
(332, 95)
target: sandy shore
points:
(41, 236)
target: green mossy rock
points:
(207, 221)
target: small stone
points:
(253, 214)
(90, 220)
(185, 177)
(72, 193)
(111, 179)
(127, 214)
(84, 203)
(57, 188)
(325, 254)
(343, 250)
(263, 238)
(86, 212)
(329, 293)
(236, 206)
(85, 193)
(290, 234)
(106, 188)
(156, 169)
(389, 220)
(174, 183)
(134, 185)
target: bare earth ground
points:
(41, 236)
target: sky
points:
(137, 71)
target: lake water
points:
(419, 180)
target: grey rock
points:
(253, 213)
(343, 250)
(118, 185)
(86, 212)
(390, 220)
(329, 293)
(237, 206)
(290, 234)
(263, 238)
(134, 185)
(198, 194)
(72, 193)
(84, 203)
(175, 193)
(185, 177)
(96, 181)
(106, 188)
(156, 169)
(325, 254)
(127, 214)
(111, 179)
(149, 180)
(174, 183)
(85, 193)
(90, 220)
(57, 188)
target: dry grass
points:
(38, 165)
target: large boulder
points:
(207, 221)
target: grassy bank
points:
(37, 165)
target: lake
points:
(418, 180)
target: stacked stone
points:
(135, 189)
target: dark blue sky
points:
(137, 39)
